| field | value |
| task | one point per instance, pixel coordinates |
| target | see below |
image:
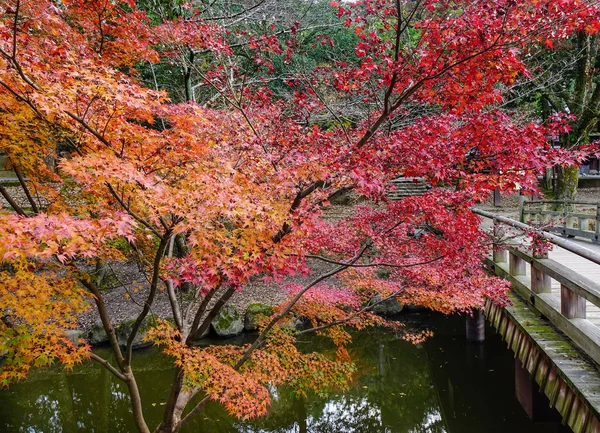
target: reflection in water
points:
(443, 386)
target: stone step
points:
(412, 188)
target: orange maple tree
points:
(241, 188)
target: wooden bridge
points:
(553, 326)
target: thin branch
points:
(91, 130)
(295, 299)
(351, 316)
(211, 315)
(30, 199)
(104, 316)
(372, 265)
(286, 228)
(199, 313)
(244, 11)
(149, 301)
(11, 201)
(103, 362)
(132, 213)
(175, 307)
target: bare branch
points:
(103, 362)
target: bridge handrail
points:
(571, 222)
(590, 203)
(556, 240)
(567, 310)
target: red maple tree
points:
(241, 189)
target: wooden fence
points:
(570, 218)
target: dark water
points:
(443, 385)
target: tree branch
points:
(11, 201)
(25, 189)
(133, 214)
(149, 301)
(103, 362)
(295, 299)
(372, 265)
(351, 316)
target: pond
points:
(443, 385)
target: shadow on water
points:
(444, 385)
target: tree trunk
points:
(548, 180)
(566, 182)
(174, 407)
(136, 402)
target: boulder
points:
(254, 313)
(96, 335)
(75, 334)
(228, 323)
(391, 307)
(124, 329)
(411, 308)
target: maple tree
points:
(209, 197)
(568, 82)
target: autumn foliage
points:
(239, 187)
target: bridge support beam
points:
(475, 326)
(533, 401)
(524, 388)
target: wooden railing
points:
(565, 310)
(570, 218)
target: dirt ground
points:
(130, 288)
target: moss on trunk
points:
(566, 183)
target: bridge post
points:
(497, 197)
(597, 223)
(475, 327)
(522, 205)
(540, 281)
(571, 304)
(584, 223)
(516, 265)
(544, 218)
(499, 255)
(568, 209)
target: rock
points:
(294, 323)
(204, 334)
(411, 308)
(254, 313)
(96, 335)
(124, 329)
(391, 307)
(75, 334)
(228, 323)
